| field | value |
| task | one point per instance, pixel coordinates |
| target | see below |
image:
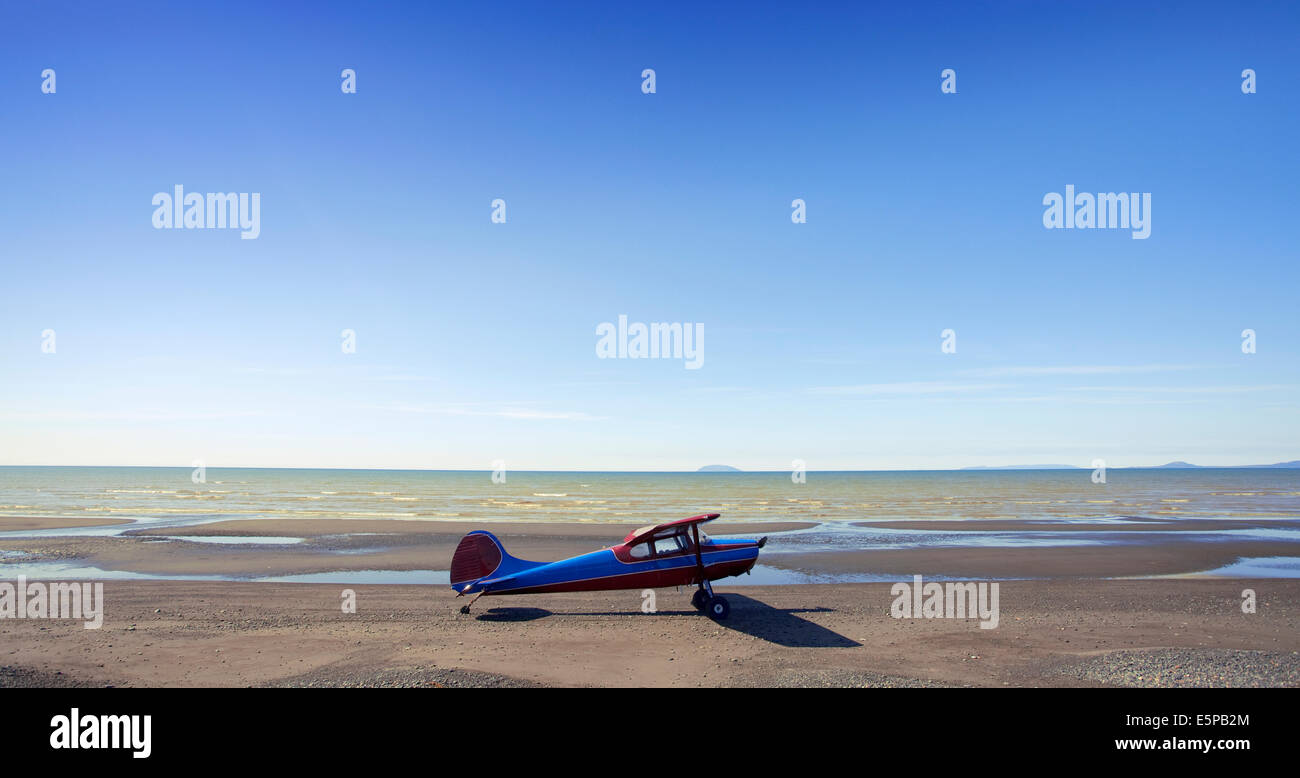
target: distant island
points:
(719, 469)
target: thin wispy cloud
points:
(362, 372)
(1077, 399)
(721, 389)
(270, 371)
(1184, 389)
(1111, 394)
(909, 387)
(1052, 370)
(398, 377)
(499, 411)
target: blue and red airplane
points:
(677, 553)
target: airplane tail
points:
(480, 556)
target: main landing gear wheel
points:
(718, 608)
(699, 599)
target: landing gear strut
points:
(712, 605)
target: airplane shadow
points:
(781, 626)
(513, 614)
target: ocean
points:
(170, 496)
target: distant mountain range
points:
(1179, 465)
(1293, 464)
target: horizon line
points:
(1180, 464)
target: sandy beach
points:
(1051, 633)
(1070, 627)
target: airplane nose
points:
(762, 541)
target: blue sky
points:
(476, 341)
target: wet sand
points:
(1136, 525)
(1109, 561)
(1050, 633)
(411, 545)
(29, 523)
(375, 545)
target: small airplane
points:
(677, 553)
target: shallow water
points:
(1260, 567)
(231, 540)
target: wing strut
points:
(703, 581)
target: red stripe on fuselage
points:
(645, 579)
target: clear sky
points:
(476, 341)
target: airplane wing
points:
(700, 519)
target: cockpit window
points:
(669, 545)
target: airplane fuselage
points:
(614, 568)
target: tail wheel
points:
(700, 599)
(718, 609)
